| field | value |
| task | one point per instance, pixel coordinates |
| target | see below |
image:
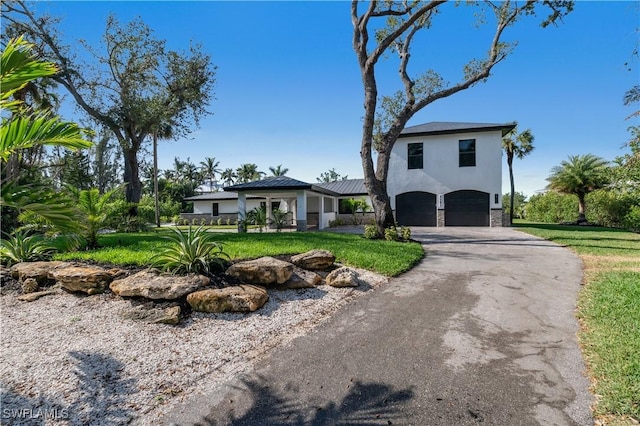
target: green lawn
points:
(609, 312)
(385, 257)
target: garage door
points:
(416, 208)
(466, 208)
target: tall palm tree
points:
(22, 129)
(248, 173)
(580, 175)
(278, 171)
(228, 176)
(161, 132)
(518, 145)
(209, 169)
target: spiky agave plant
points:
(21, 247)
(194, 251)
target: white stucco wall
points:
(441, 173)
(224, 206)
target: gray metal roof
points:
(346, 187)
(215, 196)
(271, 182)
(447, 127)
(277, 183)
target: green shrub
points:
(405, 233)
(337, 222)
(219, 221)
(228, 221)
(610, 208)
(607, 208)
(370, 232)
(147, 213)
(25, 248)
(192, 252)
(552, 207)
(632, 219)
(391, 234)
(131, 224)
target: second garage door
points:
(466, 208)
(416, 208)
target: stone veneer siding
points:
(496, 218)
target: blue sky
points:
(289, 92)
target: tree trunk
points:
(513, 186)
(582, 218)
(156, 196)
(133, 189)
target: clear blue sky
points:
(289, 92)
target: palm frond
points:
(18, 66)
(22, 132)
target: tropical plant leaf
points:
(21, 132)
(18, 66)
(51, 207)
(21, 247)
(192, 252)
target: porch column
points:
(301, 211)
(269, 213)
(242, 212)
(320, 212)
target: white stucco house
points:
(448, 174)
(440, 174)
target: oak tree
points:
(133, 85)
(385, 28)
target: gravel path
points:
(73, 360)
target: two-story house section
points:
(448, 174)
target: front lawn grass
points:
(609, 312)
(385, 257)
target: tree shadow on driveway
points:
(367, 404)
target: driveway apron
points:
(481, 331)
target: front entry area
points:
(416, 208)
(466, 208)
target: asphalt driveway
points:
(481, 331)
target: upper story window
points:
(414, 155)
(467, 152)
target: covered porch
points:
(311, 206)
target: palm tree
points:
(278, 171)
(518, 145)
(248, 173)
(228, 176)
(580, 175)
(22, 130)
(209, 169)
(94, 211)
(161, 132)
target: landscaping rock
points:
(242, 298)
(302, 278)
(30, 285)
(39, 271)
(87, 279)
(314, 259)
(153, 285)
(264, 271)
(343, 277)
(170, 315)
(30, 297)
